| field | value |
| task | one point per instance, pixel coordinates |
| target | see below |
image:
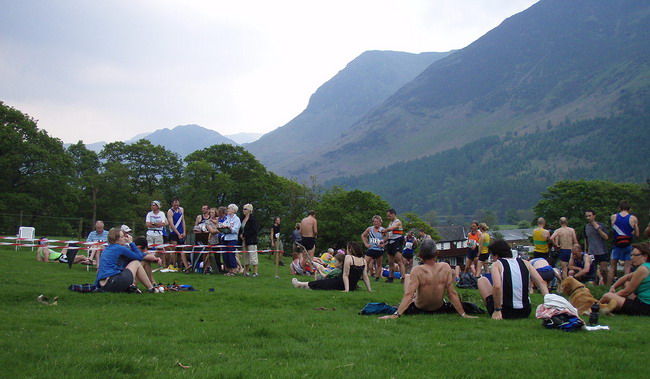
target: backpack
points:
(467, 280)
(378, 308)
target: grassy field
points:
(263, 327)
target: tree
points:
(571, 198)
(226, 174)
(411, 221)
(35, 172)
(151, 167)
(343, 216)
(87, 178)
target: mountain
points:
(182, 140)
(242, 138)
(362, 85)
(510, 172)
(185, 139)
(556, 61)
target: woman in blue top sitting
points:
(116, 273)
(634, 297)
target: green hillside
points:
(501, 173)
(556, 61)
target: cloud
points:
(91, 68)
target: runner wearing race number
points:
(373, 240)
(410, 243)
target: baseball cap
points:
(126, 229)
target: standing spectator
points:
(625, 227)
(309, 231)
(373, 240)
(564, 237)
(97, 235)
(248, 233)
(595, 236)
(230, 227)
(155, 222)
(177, 232)
(276, 243)
(394, 242)
(200, 231)
(410, 244)
(212, 225)
(473, 238)
(541, 237)
(296, 237)
(483, 244)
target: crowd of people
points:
(229, 245)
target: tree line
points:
(56, 186)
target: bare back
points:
(308, 227)
(432, 280)
(566, 237)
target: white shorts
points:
(154, 239)
(250, 258)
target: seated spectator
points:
(633, 297)
(97, 235)
(581, 267)
(354, 269)
(425, 286)
(112, 275)
(337, 271)
(141, 243)
(508, 297)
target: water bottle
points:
(593, 316)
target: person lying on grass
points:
(634, 298)
(112, 275)
(425, 286)
(508, 296)
(354, 268)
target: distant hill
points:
(183, 139)
(362, 85)
(557, 61)
(242, 138)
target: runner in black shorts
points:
(308, 242)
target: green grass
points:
(263, 327)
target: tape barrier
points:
(44, 242)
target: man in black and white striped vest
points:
(507, 296)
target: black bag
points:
(467, 280)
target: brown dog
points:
(581, 298)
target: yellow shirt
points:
(541, 244)
(486, 243)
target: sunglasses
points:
(636, 255)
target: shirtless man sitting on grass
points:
(425, 286)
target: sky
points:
(109, 70)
